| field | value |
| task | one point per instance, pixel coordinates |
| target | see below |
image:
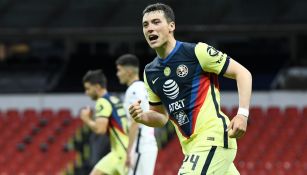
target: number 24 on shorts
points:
(193, 159)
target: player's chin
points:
(155, 45)
(121, 81)
(150, 45)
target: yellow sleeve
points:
(210, 59)
(153, 98)
(103, 108)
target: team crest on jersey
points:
(212, 51)
(171, 89)
(167, 71)
(182, 70)
(181, 117)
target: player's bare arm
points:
(238, 124)
(155, 117)
(99, 126)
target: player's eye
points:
(156, 22)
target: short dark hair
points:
(95, 77)
(128, 60)
(168, 11)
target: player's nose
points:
(149, 29)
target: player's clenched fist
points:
(136, 111)
(237, 126)
(85, 114)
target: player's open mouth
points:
(153, 37)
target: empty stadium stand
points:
(46, 142)
(37, 142)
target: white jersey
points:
(145, 140)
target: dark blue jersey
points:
(186, 84)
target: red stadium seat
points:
(299, 172)
(293, 117)
(275, 118)
(256, 111)
(2, 122)
(32, 150)
(224, 110)
(12, 115)
(47, 113)
(274, 112)
(30, 116)
(1, 114)
(233, 111)
(305, 111)
(256, 115)
(64, 113)
(292, 111)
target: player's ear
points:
(130, 71)
(171, 27)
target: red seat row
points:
(32, 142)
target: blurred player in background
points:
(109, 118)
(142, 148)
(182, 85)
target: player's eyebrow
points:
(152, 20)
(155, 20)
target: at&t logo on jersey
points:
(176, 105)
(171, 89)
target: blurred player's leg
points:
(111, 164)
(144, 163)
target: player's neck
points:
(166, 49)
(133, 79)
(102, 92)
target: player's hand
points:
(237, 126)
(85, 114)
(136, 111)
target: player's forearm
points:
(133, 131)
(153, 119)
(244, 84)
(93, 126)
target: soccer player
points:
(109, 118)
(183, 86)
(142, 148)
